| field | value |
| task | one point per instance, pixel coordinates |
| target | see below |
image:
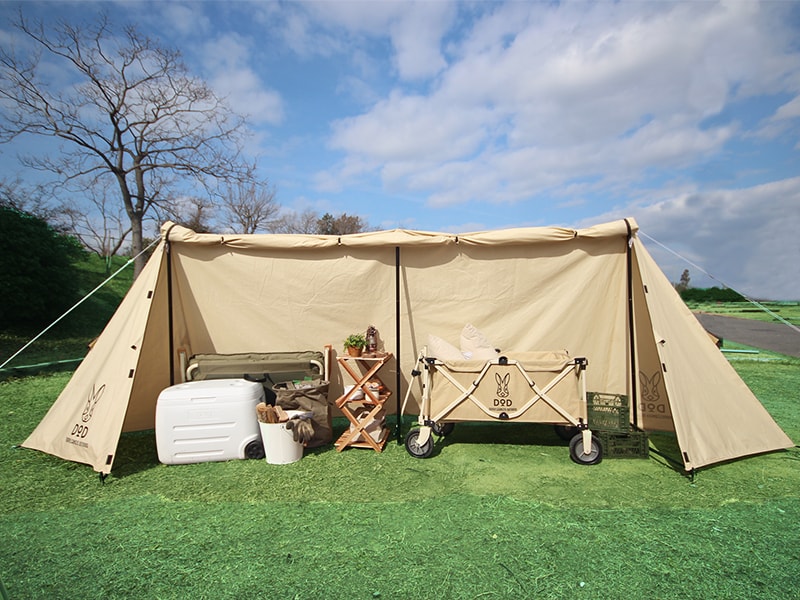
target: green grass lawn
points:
(499, 511)
(775, 313)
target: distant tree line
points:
(713, 294)
(37, 276)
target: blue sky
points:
(469, 116)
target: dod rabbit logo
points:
(79, 430)
(91, 402)
(651, 397)
(502, 384)
(502, 393)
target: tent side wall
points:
(546, 293)
(562, 295)
(85, 422)
(271, 300)
(715, 414)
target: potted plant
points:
(354, 344)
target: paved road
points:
(777, 337)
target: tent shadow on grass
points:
(501, 434)
(525, 434)
(136, 453)
(663, 446)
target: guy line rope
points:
(699, 268)
(79, 302)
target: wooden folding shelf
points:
(363, 370)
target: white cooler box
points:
(203, 421)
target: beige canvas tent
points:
(595, 292)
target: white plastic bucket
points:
(279, 445)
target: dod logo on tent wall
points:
(80, 431)
(653, 403)
(91, 403)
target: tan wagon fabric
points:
(524, 390)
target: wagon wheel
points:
(413, 447)
(443, 429)
(254, 449)
(576, 451)
(566, 432)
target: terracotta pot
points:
(353, 351)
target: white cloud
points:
(744, 238)
(228, 58)
(416, 37)
(542, 95)
(301, 34)
(392, 130)
(414, 29)
(183, 19)
(790, 110)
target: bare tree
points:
(294, 222)
(104, 230)
(311, 222)
(683, 284)
(133, 114)
(195, 213)
(15, 194)
(250, 207)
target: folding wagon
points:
(522, 387)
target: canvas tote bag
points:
(308, 395)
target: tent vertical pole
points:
(399, 428)
(631, 321)
(168, 249)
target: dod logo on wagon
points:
(502, 401)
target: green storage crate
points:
(608, 412)
(624, 445)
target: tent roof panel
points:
(397, 237)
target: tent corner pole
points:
(170, 325)
(631, 323)
(399, 428)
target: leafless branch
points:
(132, 114)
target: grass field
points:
(775, 312)
(499, 511)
